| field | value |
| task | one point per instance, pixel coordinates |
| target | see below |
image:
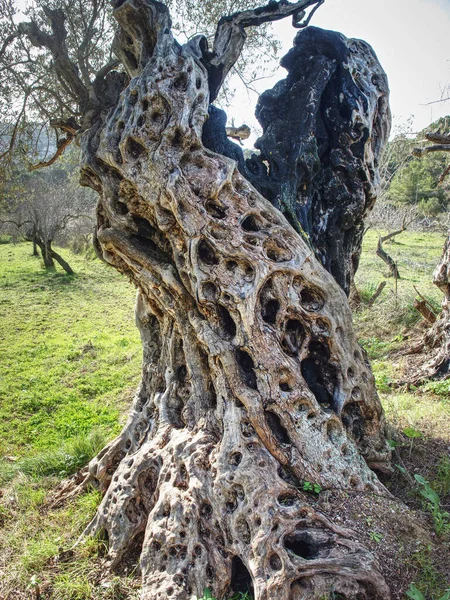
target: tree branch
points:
(419, 152)
(70, 128)
(56, 44)
(230, 36)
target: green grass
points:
(70, 362)
(69, 350)
(416, 255)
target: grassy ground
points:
(70, 360)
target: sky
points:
(412, 41)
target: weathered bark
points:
(253, 382)
(324, 128)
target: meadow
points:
(70, 361)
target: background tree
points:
(253, 386)
(42, 205)
(437, 339)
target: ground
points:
(70, 362)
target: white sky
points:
(412, 41)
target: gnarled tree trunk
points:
(253, 383)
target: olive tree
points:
(254, 390)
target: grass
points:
(70, 363)
(69, 349)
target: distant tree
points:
(413, 181)
(39, 206)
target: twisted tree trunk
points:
(253, 383)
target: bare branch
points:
(230, 36)
(70, 128)
(56, 44)
(419, 152)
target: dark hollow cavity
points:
(294, 334)
(226, 321)
(206, 253)
(241, 580)
(270, 310)
(275, 426)
(302, 545)
(250, 223)
(246, 368)
(135, 149)
(320, 375)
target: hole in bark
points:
(270, 310)
(311, 300)
(350, 373)
(198, 83)
(206, 253)
(209, 290)
(231, 265)
(141, 121)
(277, 251)
(226, 321)
(356, 393)
(181, 82)
(241, 580)
(247, 429)
(246, 368)
(131, 556)
(286, 476)
(177, 137)
(278, 430)
(120, 125)
(275, 562)
(294, 334)
(287, 499)
(215, 210)
(251, 223)
(121, 208)
(206, 509)
(235, 459)
(133, 93)
(145, 105)
(285, 387)
(134, 149)
(320, 376)
(353, 420)
(302, 545)
(243, 530)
